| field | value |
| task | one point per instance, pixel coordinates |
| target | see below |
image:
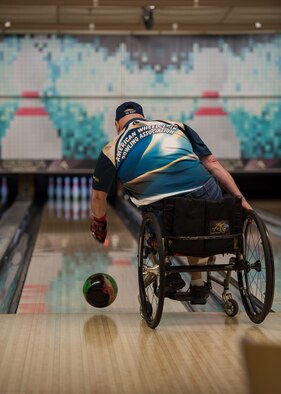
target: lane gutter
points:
(15, 261)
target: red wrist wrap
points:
(102, 219)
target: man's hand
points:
(245, 204)
(99, 228)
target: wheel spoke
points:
(151, 270)
(258, 278)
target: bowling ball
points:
(100, 290)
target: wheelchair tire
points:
(231, 307)
(256, 283)
(151, 270)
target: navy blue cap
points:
(127, 109)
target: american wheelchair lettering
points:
(126, 145)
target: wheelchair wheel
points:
(231, 307)
(151, 270)
(256, 282)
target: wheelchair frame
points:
(254, 265)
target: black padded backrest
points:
(184, 217)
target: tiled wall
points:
(58, 94)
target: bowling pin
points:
(75, 209)
(83, 188)
(67, 188)
(67, 208)
(51, 188)
(75, 188)
(4, 190)
(59, 188)
(84, 208)
(59, 207)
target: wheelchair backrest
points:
(212, 227)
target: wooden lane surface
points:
(117, 353)
(73, 348)
(65, 254)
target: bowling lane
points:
(272, 206)
(88, 350)
(65, 254)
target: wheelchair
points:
(203, 228)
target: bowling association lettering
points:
(157, 128)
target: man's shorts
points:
(209, 191)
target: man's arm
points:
(223, 177)
(103, 178)
(99, 224)
(99, 203)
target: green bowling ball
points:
(100, 290)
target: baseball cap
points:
(128, 108)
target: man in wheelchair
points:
(153, 160)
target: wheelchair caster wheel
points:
(231, 307)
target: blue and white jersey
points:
(153, 160)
